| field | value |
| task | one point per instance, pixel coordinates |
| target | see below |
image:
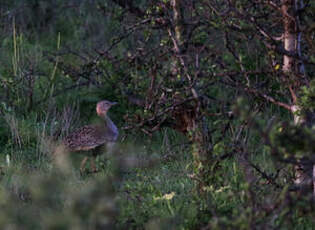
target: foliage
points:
(308, 96)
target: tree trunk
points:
(202, 157)
(178, 28)
(289, 33)
(294, 72)
(196, 131)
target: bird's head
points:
(103, 106)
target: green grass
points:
(147, 184)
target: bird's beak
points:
(114, 103)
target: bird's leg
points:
(83, 162)
(95, 153)
(93, 164)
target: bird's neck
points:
(110, 124)
(107, 119)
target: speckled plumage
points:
(90, 137)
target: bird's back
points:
(91, 136)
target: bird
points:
(91, 138)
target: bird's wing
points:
(85, 138)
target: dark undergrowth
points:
(148, 183)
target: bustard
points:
(91, 138)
